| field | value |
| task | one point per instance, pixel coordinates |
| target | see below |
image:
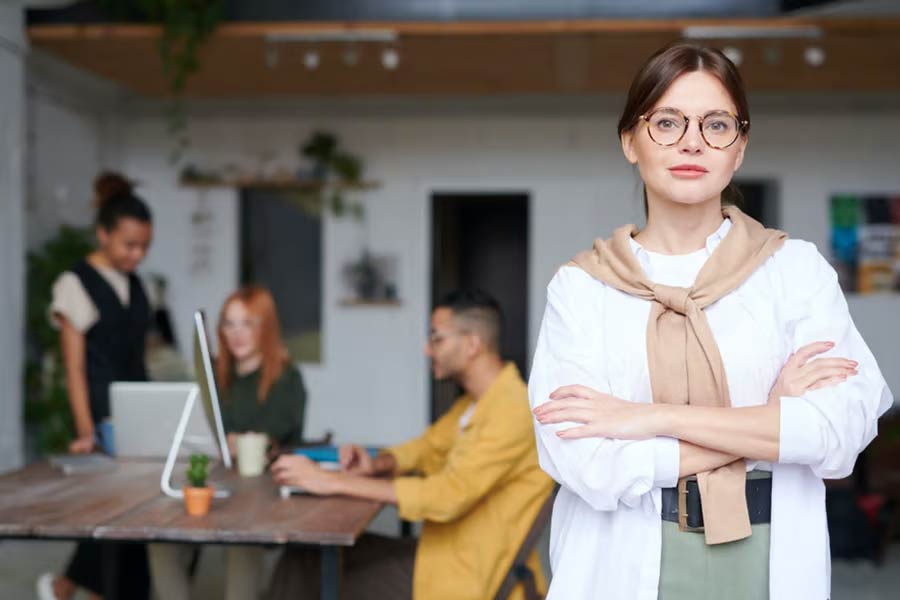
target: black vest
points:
(115, 343)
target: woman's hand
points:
(82, 445)
(601, 415)
(297, 470)
(231, 440)
(801, 374)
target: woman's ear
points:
(102, 235)
(627, 140)
(742, 147)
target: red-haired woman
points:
(680, 402)
(260, 391)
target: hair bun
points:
(109, 185)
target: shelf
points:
(282, 184)
(354, 303)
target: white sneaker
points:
(45, 587)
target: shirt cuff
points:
(667, 462)
(409, 497)
(405, 459)
(800, 441)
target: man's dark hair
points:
(478, 312)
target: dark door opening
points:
(480, 240)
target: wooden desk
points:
(126, 505)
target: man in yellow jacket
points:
(472, 477)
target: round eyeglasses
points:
(718, 128)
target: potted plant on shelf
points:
(197, 495)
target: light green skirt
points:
(692, 570)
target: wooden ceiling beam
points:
(540, 57)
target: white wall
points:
(69, 118)
(373, 382)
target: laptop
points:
(144, 416)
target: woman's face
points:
(126, 244)
(689, 171)
(241, 331)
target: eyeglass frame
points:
(247, 324)
(742, 126)
(436, 337)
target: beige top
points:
(71, 300)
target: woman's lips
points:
(688, 171)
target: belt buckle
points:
(682, 508)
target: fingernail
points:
(829, 344)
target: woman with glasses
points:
(261, 391)
(694, 381)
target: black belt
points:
(759, 503)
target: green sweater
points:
(280, 416)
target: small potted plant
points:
(197, 495)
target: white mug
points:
(251, 453)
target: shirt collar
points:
(712, 242)
(501, 384)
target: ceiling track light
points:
(733, 54)
(390, 58)
(272, 56)
(348, 36)
(351, 55)
(814, 56)
(311, 59)
(741, 32)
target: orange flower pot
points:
(197, 500)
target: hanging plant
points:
(186, 27)
(334, 169)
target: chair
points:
(519, 571)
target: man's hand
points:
(356, 460)
(801, 374)
(299, 471)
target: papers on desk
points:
(325, 454)
(74, 464)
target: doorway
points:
(480, 240)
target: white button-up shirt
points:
(605, 533)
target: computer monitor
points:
(206, 380)
(205, 388)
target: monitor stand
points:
(165, 482)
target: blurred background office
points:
(362, 158)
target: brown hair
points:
(114, 199)
(259, 302)
(108, 185)
(668, 64)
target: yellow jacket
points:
(481, 489)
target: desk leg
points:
(110, 569)
(331, 572)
